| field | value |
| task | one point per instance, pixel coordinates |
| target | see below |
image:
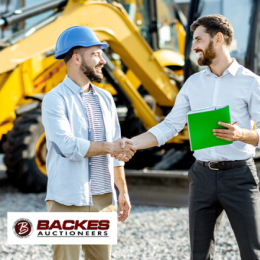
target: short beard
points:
(90, 72)
(208, 55)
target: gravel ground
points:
(149, 233)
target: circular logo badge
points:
(23, 228)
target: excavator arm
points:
(111, 24)
(29, 71)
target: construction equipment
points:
(144, 72)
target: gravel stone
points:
(149, 233)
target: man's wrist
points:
(123, 191)
(123, 188)
(108, 147)
(241, 136)
(135, 143)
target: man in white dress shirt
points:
(223, 177)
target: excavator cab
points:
(18, 7)
(158, 23)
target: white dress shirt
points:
(238, 87)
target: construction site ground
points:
(150, 232)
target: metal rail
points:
(158, 187)
(27, 12)
(157, 173)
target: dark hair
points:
(69, 54)
(214, 24)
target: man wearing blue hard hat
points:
(82, 131)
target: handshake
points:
(123, 149)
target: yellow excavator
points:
(144, 73)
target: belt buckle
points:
(214, 169)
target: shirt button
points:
(90, 163)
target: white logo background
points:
(62, 238)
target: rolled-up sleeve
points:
(117, 130)
(58, 130)
(254, 106)
(175, 120)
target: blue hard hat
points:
(76, 36)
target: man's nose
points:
(102, 60)
(193, 47)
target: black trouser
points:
(235, 191)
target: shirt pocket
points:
(81, 126)
(83, 121)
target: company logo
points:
(73, 228)
(23, 228)
(56, 228)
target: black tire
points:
(3, 139)
(20, 152)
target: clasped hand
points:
(123, 149)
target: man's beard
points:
(208, 55)
(90, 72)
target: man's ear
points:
(76, 58)
(219, 39)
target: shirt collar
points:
(232, 69)
(76, 88)
(208, 71)
(72, 85)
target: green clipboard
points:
(201, 122)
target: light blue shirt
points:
(238, 87)
(68, 139)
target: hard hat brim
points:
(61, 54)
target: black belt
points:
(224, 165)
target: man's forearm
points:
(98, 148)
(119, 174)
(249, 137)
(113, 148)
(145, 140)
(123, 199)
